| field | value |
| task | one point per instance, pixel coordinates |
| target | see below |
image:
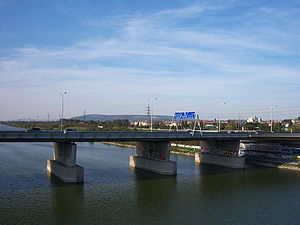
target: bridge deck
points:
(110, 136)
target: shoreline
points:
(133, 146)
(118, 144)
(266, 164)
(273, 165)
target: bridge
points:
(152, 148)
(97, 136)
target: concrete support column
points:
(220, 152)
(64, 163)
(65, 153)
(154, 156)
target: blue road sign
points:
(184, 115)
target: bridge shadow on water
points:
(206, 169)
(216, 179)
(67, 200)
(140, 175)
(153, 193)
(32, 181)
(56, 182)
(119, 175)
(113, 175)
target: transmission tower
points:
(148, 111)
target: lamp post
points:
(238, 122)
(62, 110)
(219, 127)
(272, 107)
(151, 117)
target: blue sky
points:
(112, 56)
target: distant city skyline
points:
(112, 56)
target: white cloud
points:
(151, 54)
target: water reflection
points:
(206, 169)
(153, 193)
(113, 193)
(68, 200)
(140, 174)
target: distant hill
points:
(120, 117)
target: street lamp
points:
(62, 109)
(151, 120)
(220, 103)
(272, 107)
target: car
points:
(34, 129)
(69, 130)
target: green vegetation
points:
(284, 125)
(119, 124)
(73, 124)
(126, 143)
(184, 150)
(187, 142)
(258, 126)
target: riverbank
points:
(191, 152)
(288, 166)
(174, 150)
(125, 145)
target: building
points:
(254, 119)
(140, 123)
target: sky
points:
(117, 56)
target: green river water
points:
(113, 193)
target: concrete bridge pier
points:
(154, 156)
(64, 165)
(220, 152)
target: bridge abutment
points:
(220, 152)
(153, 156)
(64, 165)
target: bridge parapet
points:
(50, 136)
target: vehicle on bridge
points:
(34, 129)
(69, 130)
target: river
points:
(113, 193)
